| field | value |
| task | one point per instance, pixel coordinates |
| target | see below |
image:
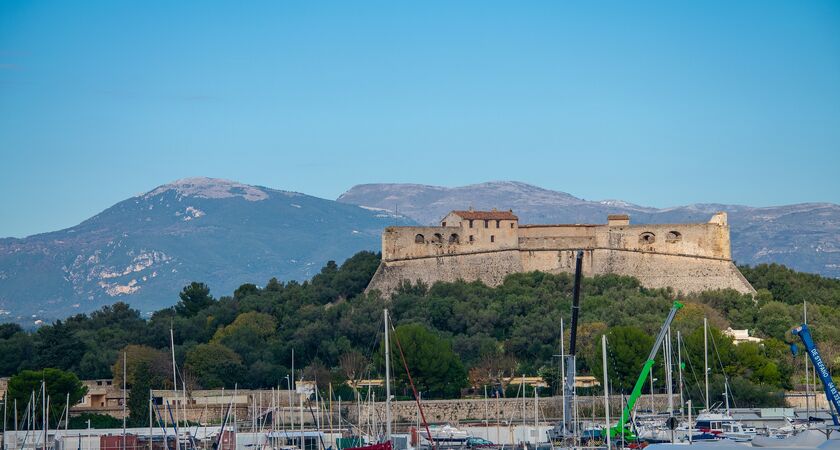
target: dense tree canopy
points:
(59, 384)
(455, 335)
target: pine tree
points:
(138, 397)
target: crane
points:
(569, 388)
(566, 429)
(640, 382)
(831, 392)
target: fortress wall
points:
(683, 273)
(709, 240)
(491, 268)
(539, 237)
(706, 239)
(685, 257)
(555, 261)
(399, 242)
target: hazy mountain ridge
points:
(144, 249)
(804, 236)
(141, 250)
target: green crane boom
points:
(637, 389)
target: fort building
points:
(489, 245)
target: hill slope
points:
(142, 250)
(802, 236)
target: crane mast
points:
(640, 382)
(831, 392)
(569, 385)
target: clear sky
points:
(657, 103)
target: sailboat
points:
(385, 444)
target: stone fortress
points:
(489, 245)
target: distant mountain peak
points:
(203, 187)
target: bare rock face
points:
(805, 237)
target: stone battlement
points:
(489, 245)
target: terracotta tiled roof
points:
(490, 215)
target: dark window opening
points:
(486, 223)
(673, 236)
(443, 224)
(470, 223)
(472, 239)
(419, 239)
(498, 222)
(647, 238)
(492, 238)
(453, 238)
(438, 239)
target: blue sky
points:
(657, 103)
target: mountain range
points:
(144, 249)
(803, 236)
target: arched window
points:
(453, 238)
(673, 236)
(647, 238)
(419, 239)
(438, 239)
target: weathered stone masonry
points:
(489, 245)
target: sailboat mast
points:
(387, 381)
(125, 375)
(44, 410)
(679, 367)
(536, 416)
(807, 381)
(606, 389)
(706, 359)
(669, 379)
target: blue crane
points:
(828, 384)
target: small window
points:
(419, 239)
(647, 238)
(492, 238)
(472, 239)
(486, 223)
(498, 222)
(673, 236)
(511, 224)
(443, 224)
(470, 223)
(438, 239)
(453, 238)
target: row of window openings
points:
(644, 238)
(649, 238)
(453, 239)
(486, 224)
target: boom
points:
(828, 384)
(637, 389)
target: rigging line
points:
(414, 389)
(691, 365)
(725, 376)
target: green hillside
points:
(455, 335)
